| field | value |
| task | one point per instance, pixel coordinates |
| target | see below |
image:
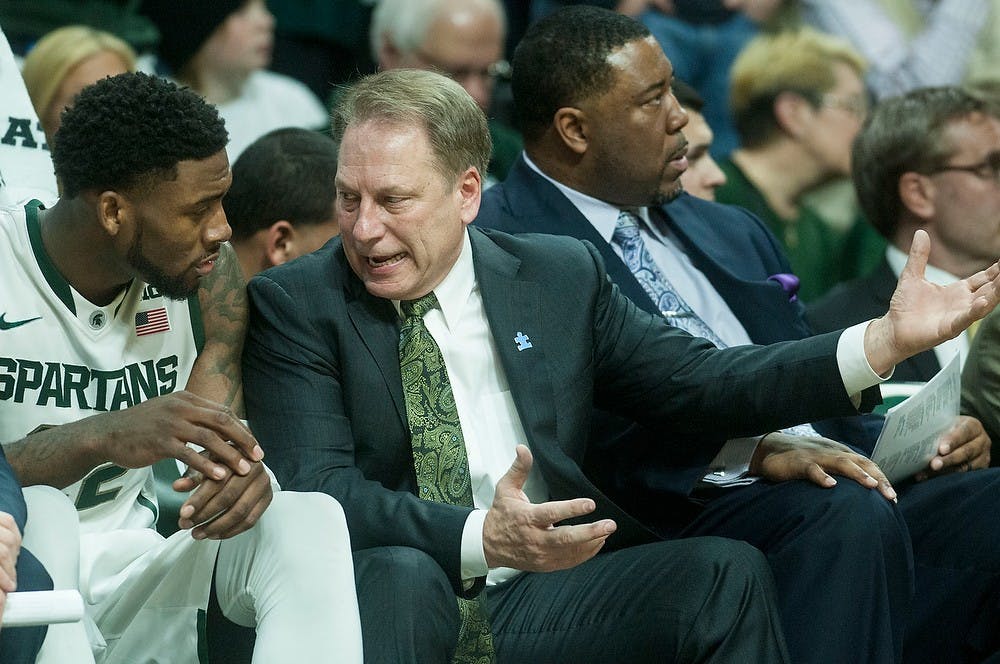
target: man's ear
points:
(918, 194)
(279, 242)
(791, 112)
(112, 212)
(571, 126)
(470, 192)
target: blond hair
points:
(455, 125)
(800, 61)
(58, 52)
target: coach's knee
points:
(409, 612)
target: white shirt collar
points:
(454, 290)
(897, 260)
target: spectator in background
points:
(799, 101)
(702, 39)
(907, 44)
(25, 166)
(981, 382)
(221, 49)
(321, 42)
(462, 39)
(929, 159)
(65, 61)
(703, 175)
(280, 205)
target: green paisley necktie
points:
(439, 455)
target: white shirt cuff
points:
(855, 371)
(473, 557)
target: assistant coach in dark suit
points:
(593, 149)
(538, 319)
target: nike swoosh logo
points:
(10, 325)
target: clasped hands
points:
(231, 487)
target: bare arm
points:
(223, 299)
(161, 427)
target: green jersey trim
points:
(197, 326)
(55, 280)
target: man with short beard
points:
(604, 149)
(122, 314)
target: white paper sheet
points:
(908, 440)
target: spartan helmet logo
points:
(97, 320)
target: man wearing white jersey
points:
(108, 363)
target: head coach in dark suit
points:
(401, 367)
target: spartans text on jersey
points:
(77, 386)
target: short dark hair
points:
(563, 59)
(906, 134)
(285, 174)
(126, 130)
(687, 96)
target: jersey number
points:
(91, 494)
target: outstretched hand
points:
(780, 456)
(525, 536)
(922, 314)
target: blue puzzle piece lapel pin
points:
(522, 341)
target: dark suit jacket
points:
(738, 254)
(733, 248)
(864, 298)
(324, 395)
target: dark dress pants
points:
(700, 600)
(954, 524)
(20, 645)
(841, 560)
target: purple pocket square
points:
(788, 282)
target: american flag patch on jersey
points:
(151, 322)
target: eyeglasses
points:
(987, 169)
(856, 106)
(493, 71)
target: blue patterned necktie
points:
(636, 255)
(439, 455)
(675, 310)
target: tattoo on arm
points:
(222, 295)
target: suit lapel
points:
(761, 305)
(544, 209)
(376, 322)
(513, 308)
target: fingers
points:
(218, 510)
(916, 261)
(517, 474)
(10, 548)
(965, 446)
(547, 514)
(865, 472)
(816, 466)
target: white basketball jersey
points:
(63, 358)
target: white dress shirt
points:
(490, 423)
